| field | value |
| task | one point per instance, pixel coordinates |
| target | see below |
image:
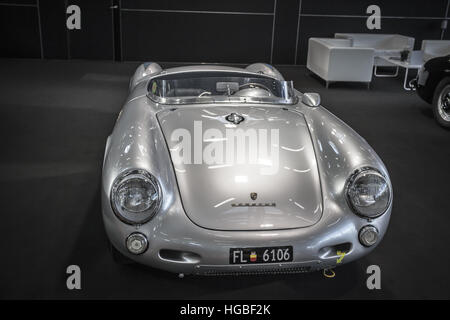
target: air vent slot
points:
(332, 251)
(179, 256)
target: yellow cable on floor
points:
(329, 275)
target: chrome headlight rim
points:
(353, 177)
(119, 180)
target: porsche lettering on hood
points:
(258, 173)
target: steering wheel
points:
(254, 84)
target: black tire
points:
(118, 257)
(442, 116)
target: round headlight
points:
(368, 193)
(135, 196)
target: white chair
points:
(435, 48)
(336, 60)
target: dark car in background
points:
(433, 86)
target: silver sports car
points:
(215, 170)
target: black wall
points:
(231, 31)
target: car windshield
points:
(219, 87)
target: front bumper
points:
(177, 245)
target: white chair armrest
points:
(318, 57)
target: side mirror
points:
(311, 99)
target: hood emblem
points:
(253, 195)
(234, 118)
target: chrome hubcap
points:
(444, 104)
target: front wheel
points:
(441, 103)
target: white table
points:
(415, 62)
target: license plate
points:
(261, 255)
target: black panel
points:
(446, 33)
(203, 5)
(223, 31)
(117, 31)
(399, 8)
(33, 2)
(416, 28)
(194, 37)
(19, 32)
(95, 39)
(53, 24)
(286, 20)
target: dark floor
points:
(54, 120)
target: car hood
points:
(259, 174)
